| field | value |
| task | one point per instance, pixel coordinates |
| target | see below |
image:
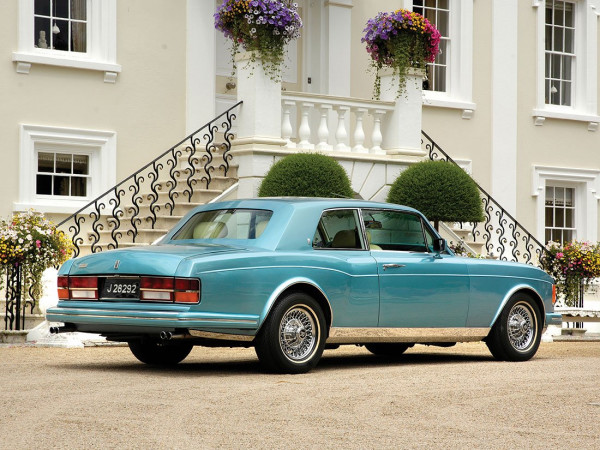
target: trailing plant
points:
(400, 39)
(30, 240)
(306, 175)
(263, 27)
(573, 265)
(440, 190)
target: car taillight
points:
(178, 290)
(553, 294)
(77, 288)
(157, 289)
(187, 290)
(62, 285)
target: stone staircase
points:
(148, 228)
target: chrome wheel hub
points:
(297, 333)
(522, 327)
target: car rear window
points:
(225, 224)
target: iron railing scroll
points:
(19, 297)
(504, 237)
(153, 191)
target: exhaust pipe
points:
(166, 335)
(64, 329)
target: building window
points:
(79, 34)
(560, 214)
(62, 174)
(560, 52)
(567, 60)
(62, 169)
(438, 13)
(567, 203)
(60, 25)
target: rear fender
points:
(284, 287)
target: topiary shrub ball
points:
(306, 175)
(440, 190)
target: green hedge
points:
(440, 190)
(306, 175)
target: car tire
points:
(517, 333)
(293, 337)
(156, 353)
(388, 349)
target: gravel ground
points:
(219, 398)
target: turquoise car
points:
(291, 277)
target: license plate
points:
(121, 288)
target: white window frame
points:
(63, 150)
(459, 74)
(101, 146)
(101, 52)
(584, 103)
(587, 193)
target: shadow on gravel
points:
(329, 361)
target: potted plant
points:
(263, 27)
(573, 265)
(400, 40)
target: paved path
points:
(219, 398)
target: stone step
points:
(31, 320)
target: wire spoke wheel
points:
(521, 326)
(292, 338)
(297, 333)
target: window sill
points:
(51, 206)
(540, 116)
(24, 61)
(468, 108)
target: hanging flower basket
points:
(573, 265)
(263, 27)
(400, 40)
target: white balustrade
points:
(328, 123)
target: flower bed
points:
(573, 265)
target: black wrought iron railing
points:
(180, 172)
(503, 236)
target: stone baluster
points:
(377, 137)
(286, 125)
(304, 130)
(359, 133)
(341, 135)
(323, 131)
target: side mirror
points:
(439, 245)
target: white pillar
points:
(403, 125)
(259, 120)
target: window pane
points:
(569, 41)
(78, 9)
(558, 40)
(61, 39)
(569, 17)
(42, 7)
(63, 163)
(549, 217)
(78, 186)
(569, 197)
(566, 93)
(78, 37)
(80, 164)
(43, 185)
(443, 4)
(61, 8)
(569, 223)
(41, 37)
(559, 14)
(61, 185)
(45, 162)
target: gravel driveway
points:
(219, 398)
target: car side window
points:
(394, 230)
(339, 229)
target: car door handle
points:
(392, 266)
